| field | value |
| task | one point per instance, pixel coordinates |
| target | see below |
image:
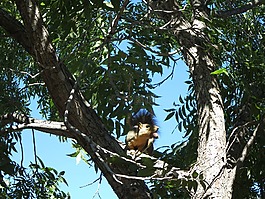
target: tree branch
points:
(59, 129)
(233, 135)
(56, 128)
(247, 146)
(24, 122)
(169, 54)
(15, 29)
(117, 18)
(239, 10)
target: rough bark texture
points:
(211, 158)
(34, 37)
(212, 136)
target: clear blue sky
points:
(53, 152)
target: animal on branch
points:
(143, 133)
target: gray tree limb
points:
(24, 122)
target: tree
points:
(70, 55)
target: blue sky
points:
(53, 153)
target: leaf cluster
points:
(38, 181)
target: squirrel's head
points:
(148, 130)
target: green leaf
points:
(181, 100)
(195, 174)
(203, 184)
(78, 158)
(99, 3)
(108, 5)
(118, 129)
(180, 127)
(169, 110)
(170, 115)
(220, 71)
(184, 111)
(146, 172)
(147, 162)
(180, 113)
(62, 173)
(177, 117)
(190, 184)
(188, 82)
(41, 162)
(73, 154)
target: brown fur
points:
(143, 133)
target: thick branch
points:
(58, 128)
(60, 82)
(24, 122)
(239, 10)
(15, 29)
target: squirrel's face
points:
(148, 130)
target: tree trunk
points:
(211, 150)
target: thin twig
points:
(170, 75)
(91, 183)
(178, 174)
(22, 151)
(239, 10)
(55, 128)
(34, 146)
(99, 183)
(117, 18)
(151, 50)
(229, 142)
(247, 146)
(92, 144)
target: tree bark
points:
(211, 159)
(211, 150)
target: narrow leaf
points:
(220, 71)
(170, 115)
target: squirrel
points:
(143, 132)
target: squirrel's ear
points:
(140, 124)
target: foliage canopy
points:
(113, 49)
